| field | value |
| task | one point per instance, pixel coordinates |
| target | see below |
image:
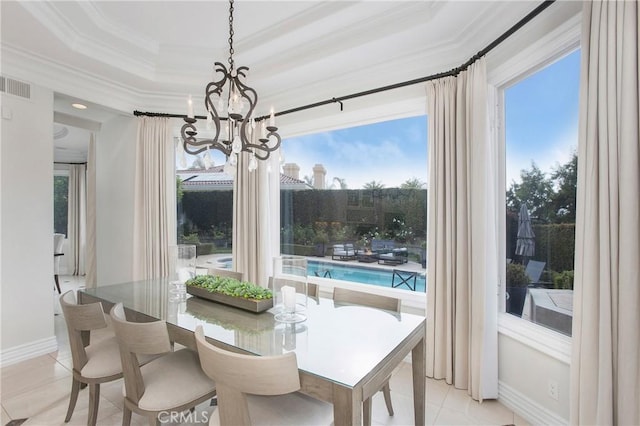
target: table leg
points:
(418, 363)
(347, 409)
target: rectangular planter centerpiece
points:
(251, 305)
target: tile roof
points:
(195, 179)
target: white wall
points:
(527, 372)
(115, 156)
(26, 226)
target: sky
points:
(389, 152)
(541, 125)
(542, 118)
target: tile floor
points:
(38, 390)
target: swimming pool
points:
(362, 274)
(355, 273)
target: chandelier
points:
(242, 131)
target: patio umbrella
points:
(525, 242)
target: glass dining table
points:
(345, 352)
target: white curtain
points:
(605, 367)
(90, 248)
(77, 217)
(254, 244)
(462, 244)
(155, 201)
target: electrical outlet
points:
(552, 389)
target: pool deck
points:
(211, 261)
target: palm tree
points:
(342, 183)
(373, 185)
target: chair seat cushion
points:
(103, 359)
(173, 380)
(295, 409)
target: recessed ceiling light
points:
(79, 106)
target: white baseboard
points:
(28, 351)
(526, 408)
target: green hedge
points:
(555, 244)
(298, 249)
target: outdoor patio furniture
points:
(367, 256)
(407, 278)
(396, 257)
(534, 270)
(382, 246)
(343, 252)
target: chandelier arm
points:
(263, 150)
(194, 146)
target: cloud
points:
(359, 156)
(548, 157)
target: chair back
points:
(80, 320)
(58, 242)
(312, 289)
(534, 270)
(343, 295)
(218, 272)
(137, 338)
(237, 375)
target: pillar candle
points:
(289, 298)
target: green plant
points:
(191, 239)
(516, 275)
(230, 287)
(563, 280)
(321, 236)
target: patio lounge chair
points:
(382, 246)
(396, 257)
(343, 252)
(534, 271)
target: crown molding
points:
(82, 43)
(117, 31)
(63, 79)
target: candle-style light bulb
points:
(190, 107)
(272, 119)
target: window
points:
(205, 204)
(60, 203)
(541, 126)
(363, 186)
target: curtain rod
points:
(454, 72)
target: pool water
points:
(362, 274)
(356, 273)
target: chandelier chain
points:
(231, 51)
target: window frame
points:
(546, 50)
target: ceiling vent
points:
(15, 87)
